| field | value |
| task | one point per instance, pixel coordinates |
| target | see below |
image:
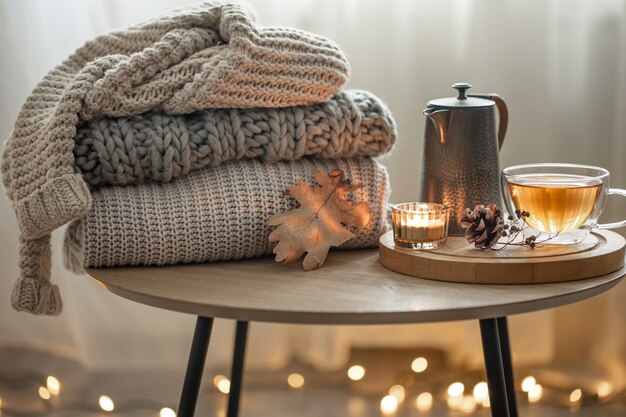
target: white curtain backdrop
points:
(561, 66)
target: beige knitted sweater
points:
(212, 214)
(209, 56)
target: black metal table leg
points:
(195, 366)
(509, 380)
(494, 368)
(236, 375)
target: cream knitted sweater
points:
(209, 56)
(213, 214)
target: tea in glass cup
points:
(563, 200)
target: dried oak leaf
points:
(320, 221)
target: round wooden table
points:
(351, 288)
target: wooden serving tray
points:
(602, 252)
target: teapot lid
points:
(462, 100)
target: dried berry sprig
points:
(516, 226)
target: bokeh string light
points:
(295, 380)
(419, 365)
(53, 385)
(481, 393)
(356, 372)
(528, 383)
(222, 383)
(424, 393)
(389, 405)
(424, 402)
(605, 389)
(44, 393)
(575, 396)
(468, 404)
(167, 412)
(47, 388)
(106, 403)
(398, 392)
(455, 395)
(535, 394)
(456, 389)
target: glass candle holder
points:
(420, 225)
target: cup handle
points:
(615, 225)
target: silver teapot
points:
(461, 165)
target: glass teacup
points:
(564, 201)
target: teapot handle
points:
(502, 111)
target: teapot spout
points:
(440, 120)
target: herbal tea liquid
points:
(559, 207)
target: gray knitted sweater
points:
(208, 56)
(160, 147)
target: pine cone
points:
(483, 225)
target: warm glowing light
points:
(295, 380)
(222, 383)
(605, 389)
(468, 404)
(534, 395)
(53, 385)
(167, 412)
(106, 403)
(576, 395)
(424, 401)
(481, 392)
(528, 383)
(389, 405)
(356, 372)
(398, 392)
(456, 389)
(454, 403)
(419, 364)
(217, 379)
(44, 393)
(224, 386)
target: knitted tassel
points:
(33, 292)
(36, 297)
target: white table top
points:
(350, 288)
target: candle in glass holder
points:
(420, 225)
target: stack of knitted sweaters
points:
(173, 141)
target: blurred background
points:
(561, 67)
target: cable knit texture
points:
(212, 214)
(159, 147)
(208, 56)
